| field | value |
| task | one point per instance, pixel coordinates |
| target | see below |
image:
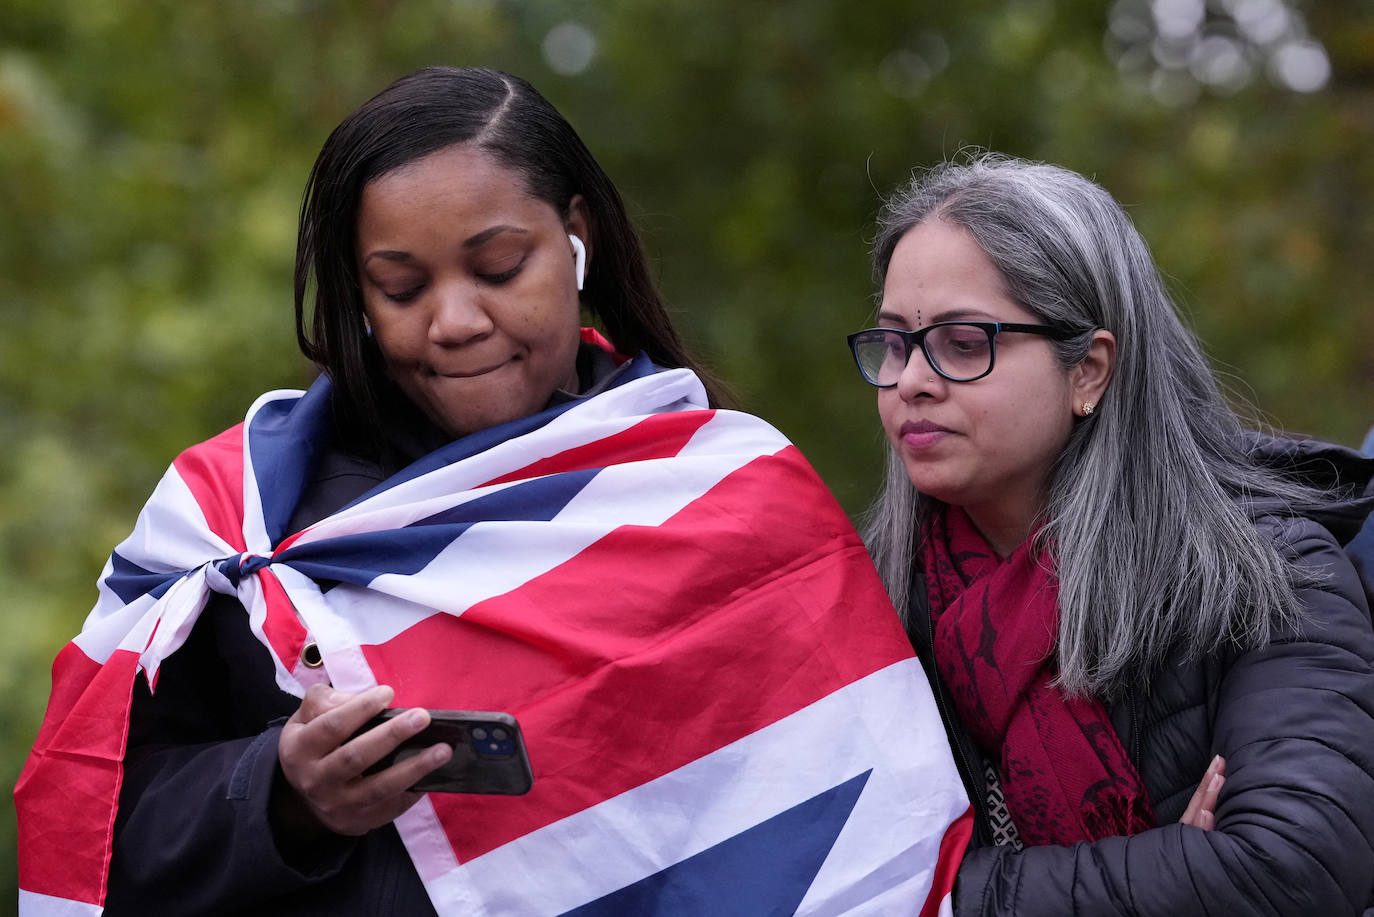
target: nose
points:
(459, 314)
(920, 378)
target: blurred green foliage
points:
(152, 156)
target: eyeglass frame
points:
(917, 338)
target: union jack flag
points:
(722, 712)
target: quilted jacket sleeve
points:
(1295, 823)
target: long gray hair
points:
(1149, 544)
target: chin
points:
(935, 489)
(458, 427)
(928, 481)
(467, 423)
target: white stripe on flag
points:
(171, 532)
(32, 904)
(117, 627)
(881, 863)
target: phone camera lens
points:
(498, 734)
(479, 733)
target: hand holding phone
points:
(322, 790)
(489, 753)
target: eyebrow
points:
(961, 314)
(488, 234)
(470, 243)
(948, 315)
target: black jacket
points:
(1295, 721)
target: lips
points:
(467, 373)
(921, 434)
(923, 426)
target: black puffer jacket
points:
(1294, 829)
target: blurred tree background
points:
(152, 157)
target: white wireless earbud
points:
(580, 256)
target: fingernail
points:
(1217, 781)
(417, 719)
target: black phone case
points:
(489, 754)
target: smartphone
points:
(488, 752)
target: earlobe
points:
(1092, 376)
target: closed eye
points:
(404, 295)
(969, 345)
(503, 276)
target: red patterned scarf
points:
(1064, 772)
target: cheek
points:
(541, 312)
(561, 324)
(394, 344)
(561, 334)
(563, 366)
(1037, 429)
(888, 407)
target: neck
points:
(1004, 531)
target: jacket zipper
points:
(1135, 729)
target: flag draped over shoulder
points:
(722, 712)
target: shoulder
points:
(1337, 483)
(1301, 539)
(1317, 668)
(1322, 661)
(1334, 603)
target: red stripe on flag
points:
(75, 769)
(286, 543)
(753, 602)
(282, 625)
(952, 847)
(213, 471)
(655, 437)
(592, 336)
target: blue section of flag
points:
(129, 581)
(285, 437)
(361, 558)
(763, 871)
(538, 500)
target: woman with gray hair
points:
(1152, 655)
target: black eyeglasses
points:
(958, 351)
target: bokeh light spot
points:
(569, 48)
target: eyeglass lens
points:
(957, 351)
